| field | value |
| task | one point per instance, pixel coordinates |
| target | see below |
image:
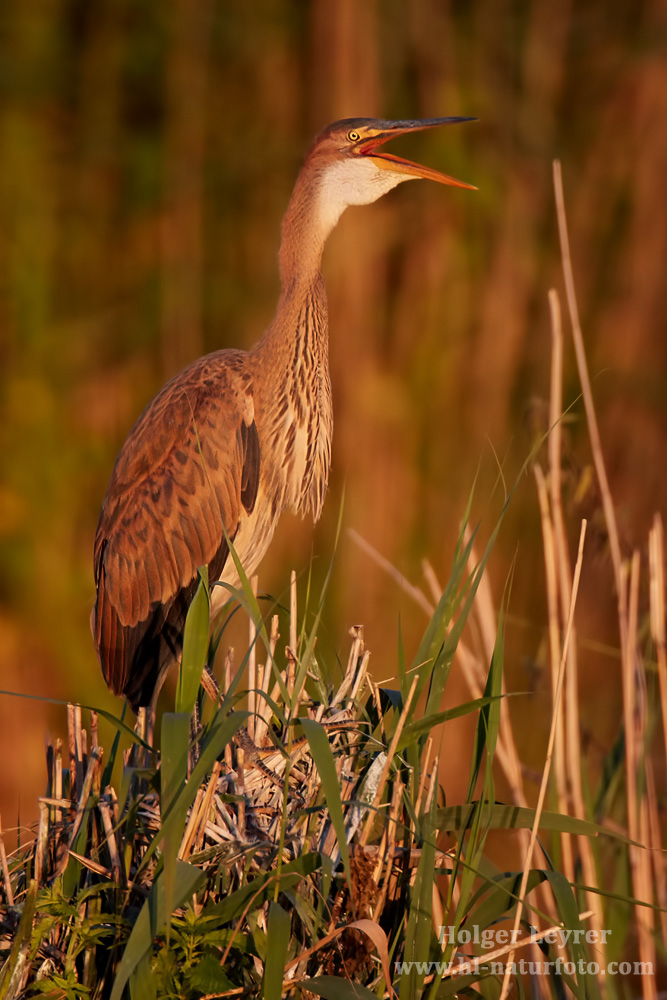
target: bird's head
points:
(352, 168)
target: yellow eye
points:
(353, 136)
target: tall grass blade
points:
(568, 912)
(418, 935)
(326, 769)
(277, 943)
(488, 723)
(195, 645)
(174, 741)
(142, 982)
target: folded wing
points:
(187, 474)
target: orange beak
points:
(387, 161)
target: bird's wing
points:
(186, 473)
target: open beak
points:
(398, 164)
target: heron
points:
(237, 437)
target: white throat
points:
(352, 182)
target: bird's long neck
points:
(300, 321)
(293, 355)
(306, 225)
(305, 228)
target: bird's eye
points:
(353, 136)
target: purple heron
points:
(237, 437)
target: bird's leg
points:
(144, 730)
(212, 689)
(195, 729)
(241, 737)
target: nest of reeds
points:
(299, 800)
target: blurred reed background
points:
(147, 152)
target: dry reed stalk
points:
(551, 576)
(42, 845)
(9, 895)
(274, 635)
(290, 656)
(206, 805)
(93, 866)
(656, 551)
(73, 791)
(560, 596)
(356, 650)
(58, 778)
(105, 812)
(113, 803)
(275, 691)
(567, 749)
(240, 790)
(633, 721)
(587, 395)
(78, 749)
(554, 650)
(555, 440)
(387, 765)
(375, 693)
(386, 858)
(572, 727)
(629, 670)
(362, 673)
(293, 618)
(81, 805)
(191, 826)
(56, 803)
(252, 667)
(655, 846)
(658, 611)
(228, 670)
(547, 764)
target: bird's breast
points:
(296, 421)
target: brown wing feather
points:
(188, 469)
